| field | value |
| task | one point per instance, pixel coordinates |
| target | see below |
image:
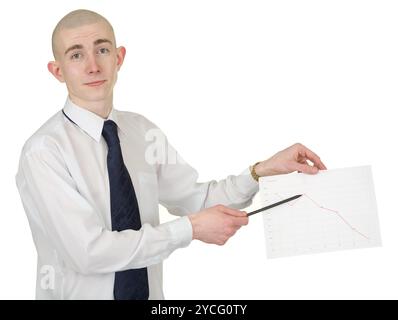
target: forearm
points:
(130, 249)
(233, 191)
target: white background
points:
(230, 83)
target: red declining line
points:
(334, 211)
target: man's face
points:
(88, 61)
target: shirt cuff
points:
(181, 231)
(246, 183)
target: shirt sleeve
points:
(75, 230)
(182, 194)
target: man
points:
(91, 179)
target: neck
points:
(101, 108)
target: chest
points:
(87, 162)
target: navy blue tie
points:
(129, 284)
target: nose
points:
(92, 66)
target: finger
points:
(244, 221)
(302, 161)
(322, 165)
(305, 168)
(313, 157)
(240, 221)
(233, 212)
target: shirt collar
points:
(88, 121)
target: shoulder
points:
(46, 137)
(136, 121)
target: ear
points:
(120, 54)
(55, 70)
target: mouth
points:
(95, 83)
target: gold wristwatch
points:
(253, 172)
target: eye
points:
(103, 50)
(76, 55)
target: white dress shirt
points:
(64, 187)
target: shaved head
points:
(77, 19)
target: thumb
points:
(233, 212)
(306, 168)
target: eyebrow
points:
(79, 46)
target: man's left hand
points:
(294, 158)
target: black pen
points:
(275, 204)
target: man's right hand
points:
(217, 224)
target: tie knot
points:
(109, 132)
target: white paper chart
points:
(337, 211)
